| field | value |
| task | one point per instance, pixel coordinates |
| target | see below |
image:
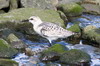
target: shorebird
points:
(49, 30)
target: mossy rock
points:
(6, 50)
(21, 14)
(74, 56)
(92, 33)
(75, 28)
(57, 48)
(53, 53)
(15, 42)
(8, 62)
(71, 9)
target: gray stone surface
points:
(68, 1)
(42, 4)
(4, 3)
(91, 8)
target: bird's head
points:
(35, 20)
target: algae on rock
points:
(6, 50)
(71, 9)
(92, 33)
(21, 14)
(74, 56)
(8, 62)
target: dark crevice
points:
(19, 4)
(5, 9)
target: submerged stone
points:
(6, 50)
(8, 62)
(71, 9)
(74, 56)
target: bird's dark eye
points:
(31, 19)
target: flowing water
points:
(85, 20)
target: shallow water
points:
(85, 20)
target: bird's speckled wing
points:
(51, 30)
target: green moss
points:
(74, 56)
(92, 33)
(74, 28)
(57, 48)
(6, 50)
(8, 62)
(71, 9)
(24, 13)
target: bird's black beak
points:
(25, 20)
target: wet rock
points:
(91, 8)
(6, 50)
(8, 62)
(71, 9)
(29, 52)
(53, 53)
(34, 60)
(15, 41)
(74, 56)
(52, 64)
(4, 3)
(42, 4)
(5, 33)
(92, 33)
(50, 56)
(13, 4)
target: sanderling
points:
(49, 30)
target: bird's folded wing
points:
(50, 29)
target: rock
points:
(41, 4)
(6, 51)
(4, 3)
(55, 47)
(2, 11)
(74, 56)
(8, 62)
(21, 14)
(50, 56)
(74, 28)
(91, 33)
(71, 9)
(91, 8)
(69, 1)
(12, 20)
(29, 52)
(5, 33)
(13, 4)
(53, 53)
(15, 41)
(63, 16)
